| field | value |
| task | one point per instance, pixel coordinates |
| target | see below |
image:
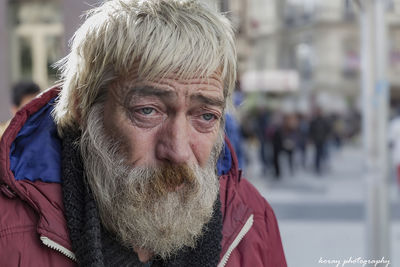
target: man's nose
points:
(173, 143)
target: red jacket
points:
(33, 230)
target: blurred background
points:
(316, 123)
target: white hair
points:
(156, 37)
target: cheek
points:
(136, 143)
(202, 146)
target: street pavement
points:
(322, 218)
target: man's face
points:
(169, 121)
(150, 160)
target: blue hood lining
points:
(35, 153)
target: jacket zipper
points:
(57, 247)
(235, 243)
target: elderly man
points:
(117, 165)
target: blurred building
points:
(305, 50)
(34, 35)
(317, 39)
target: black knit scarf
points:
(95, 246)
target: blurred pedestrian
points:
(262, 127)
(302, 140)
(21, 93)
(289, 138)
(337, 130)
(277, 143)
(234, 134)
(319, 132)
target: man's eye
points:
(146, 111)
(208, 116)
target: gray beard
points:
(128, 207)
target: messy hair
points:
(161, 37)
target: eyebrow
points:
(150, 91)
(167, 94)
(212, 101)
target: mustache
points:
(168, 177)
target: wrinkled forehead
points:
(171, 81)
